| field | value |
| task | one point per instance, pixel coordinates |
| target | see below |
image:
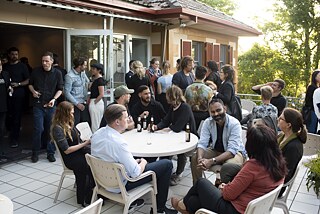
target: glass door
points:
(95, 46)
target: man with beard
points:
(224, 132)
(147, 107)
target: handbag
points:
(235, 107)
(306, 114)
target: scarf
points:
(282, 143)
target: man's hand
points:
(204, 163)
(50, 103)
(15, 84)
(145, 113)
(80, 106)
(36, 94)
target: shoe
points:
(165, 211)
(217, 182)
(175, 179)
(136, 205)
(34, 158)
(15, 145)
(51, 158)
(175, 204)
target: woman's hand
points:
(221, 186)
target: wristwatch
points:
(19, 83)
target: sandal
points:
(175, 204)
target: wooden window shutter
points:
(230, 55)
(209, 52)
(186, 47)
(216, 54)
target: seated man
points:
(108, 144)
(278, 100)
(122, 96)
(225, 132)
(147, 107)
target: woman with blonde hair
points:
(138, 79)
(72, 150)
(164, 82)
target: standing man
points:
(46, 86)
(184, 77)
(109, 145)
(19, 76)
(76, 90)
(278, 100)
(130, 73)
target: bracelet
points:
(19, 83)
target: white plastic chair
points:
(312, 146)
(247, 104)
(281, 202)
(109, 176)
(94, 208)
(261, 205)
(66, 171)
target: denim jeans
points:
(41, 132)
(163, 169)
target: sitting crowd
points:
(244, 171)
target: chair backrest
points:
(85, 130)
(263, 204)
(94, 208)
(247, 104)
(312, 146)
(106, 174)
(289, 184)
(61, 158)
(204, 211)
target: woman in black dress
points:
(72, 150)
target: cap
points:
(122, 90)
(97, 66)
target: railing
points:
(294, 102)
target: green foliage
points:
(262, 64)
(313, 176)
(226, 6)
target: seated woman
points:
(178, 116)
(263, 172)
(72, 150)
(265, 110)
(290, 140)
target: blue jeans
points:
(312, 123)
(41, 132)
(163, 169)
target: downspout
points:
(110, 58)
(164, 43)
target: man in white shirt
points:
(108, 144)
(316, 104)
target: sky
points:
(252, 12)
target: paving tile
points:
(4, 187)
(26, 210)
(34, 185)
(16, 205)
(21, 182)
(64, 194)
(303, 207)
(9, 177)
(40, 174)
(60, 208)
(16, 192)
(116, 209)
(27, 171)
(28, 198)
(306, 198)
(42, 204)
(46, 190)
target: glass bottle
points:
(188, 133)
(139, 127)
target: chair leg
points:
(154, 202)
(126, 208)
(59, 187)
(94, 194)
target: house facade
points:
(114, 32)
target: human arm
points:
(159, 89)
(53, 100)
(225, 93)
(176, 79)
(256, 88)
(101, 93)
(183, 117)
(67, 89)
(292, 153)
(17, 84)
(166, 121)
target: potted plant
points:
(313, 176)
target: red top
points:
(251, 182)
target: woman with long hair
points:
(213, 73)
(154, 73)
(291, 139)
(164, 82)
(312, 121)
(263, 172)
(72, 150)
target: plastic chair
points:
(94, 208)
(66, 171)
(247, 104)
(261, 205)
(110, 176)
(312, 146)
(281, 202)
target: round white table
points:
(159, 143)
(6, 205)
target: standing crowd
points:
(199, 98)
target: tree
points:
(226, 6)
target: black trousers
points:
(81, 116)
(16, 106)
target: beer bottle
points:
(139, 127)
(188, 133)
(151, 124)
(144, 122)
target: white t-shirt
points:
(316, 102)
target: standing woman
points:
(164, 82)
(226, 89)
(293, 135)
(72, 150)
(154, 73)
(213, 73)
(313, 120)
(96, 104)
(4, 87)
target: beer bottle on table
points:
(188, 133)
(151, 124)
(144, 122)
(139, 127)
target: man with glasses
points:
(278, 100)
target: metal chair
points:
(281, 202)
(94, 208)
(261, 205)
(111, 175)
(66, 171)
(247, 104)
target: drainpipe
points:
(110, 58)
(164, 42)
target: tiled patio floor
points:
(32, 188)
